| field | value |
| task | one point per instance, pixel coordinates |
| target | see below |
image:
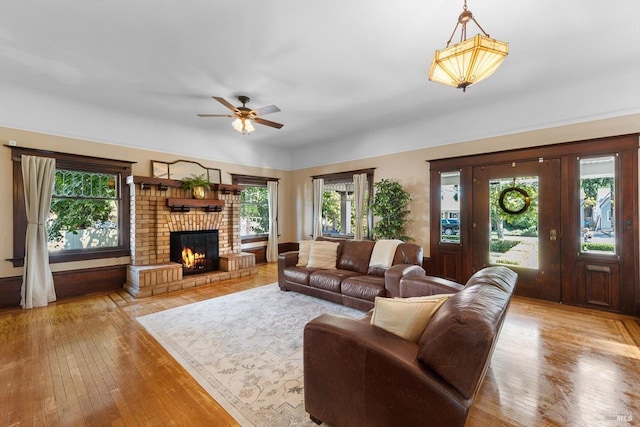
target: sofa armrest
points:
(285, 259)
(427, 285)
(343, 385)
(395, 273)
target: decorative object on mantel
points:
(244, 116)
(469, 61)
(198, 185)
(182, 169)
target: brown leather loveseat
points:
(353, 282)
(357, 374)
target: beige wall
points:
(410, 168)
(141, 167)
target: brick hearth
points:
(152, 221)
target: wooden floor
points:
(87, 362)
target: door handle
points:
(553, 235)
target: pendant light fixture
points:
(469, 61)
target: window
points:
(84, 211)
(450, 207)
(254, 211)
(338, 204)
(254, 206)
(89, 217)
(597, 201)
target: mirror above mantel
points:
(181, 169)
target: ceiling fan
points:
(245, 116)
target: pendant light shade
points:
(469, 61)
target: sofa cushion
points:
(355, 255)
(406, 317)
(323, 255)
(298, 274)
(408, 253)
(329, 280)
(364, 287)
(304, 248)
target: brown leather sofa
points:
(356, 374)
(353, 283)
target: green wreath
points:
(520, 191)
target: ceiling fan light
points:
(243, 125)
(248, 125)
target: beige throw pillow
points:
(303, 253)
(323, 255)
(406, 317)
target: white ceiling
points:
(349, 76)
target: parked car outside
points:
(450, 226)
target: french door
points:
(564, 217)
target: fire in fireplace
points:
(197, 251)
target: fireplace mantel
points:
(184, 205)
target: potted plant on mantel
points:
(390, 206)
(198, 184)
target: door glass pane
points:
(450, 207)
(513, 204)
(597, 225)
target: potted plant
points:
(390, 206)
(197, 184)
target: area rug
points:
(245, 349)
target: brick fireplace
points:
(160, 207)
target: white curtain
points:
(272, 243)
(38, 175)
(318, 190)
(359, 191)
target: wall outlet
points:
(13, 143)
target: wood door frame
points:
(567, 153)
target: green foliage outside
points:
(331, 210)
(81, 200)
(501, 220)
(502, 246)
(254, 208)
(598, 246)
(390, 206)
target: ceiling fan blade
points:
(215, 115)
(266, 110)
(225, 103)
(268, 123)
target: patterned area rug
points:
(245, 349)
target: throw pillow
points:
(323, 255)
(406, 317)
(303, 253)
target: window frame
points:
(252, 181)
(343, 177)
(121, 168)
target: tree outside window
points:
(84, 211)
(254, 211)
